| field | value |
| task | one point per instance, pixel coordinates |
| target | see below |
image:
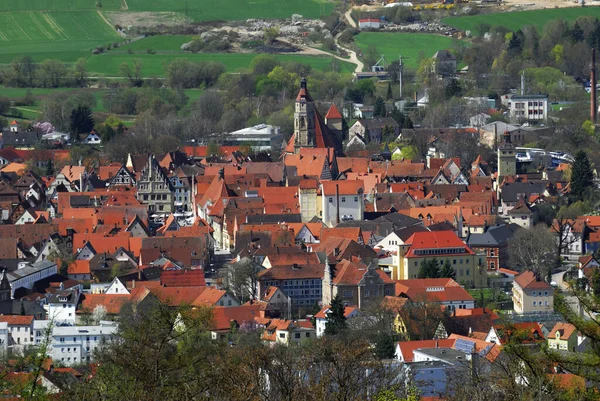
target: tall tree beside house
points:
(390, 95)
(447, 271)
(49, 168)
(384, 346)
(533, 249)
(582, 176)
(336, 319)
(82, 121)
(429, 269)
(379, 107)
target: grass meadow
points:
(408, 44)
(518, 19)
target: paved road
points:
(558, 278)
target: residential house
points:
(443, 291)
(373, 130)
(122, 178)
(532, 295)
(321, 317)
(521, 214)
(288, 332)
(356, 283)
(155, 189)
(74, 345)
(563, 337)
(20, 331)
(61, 306)
(493, 243)
(276, 303)
(444, 63)
(342, 200)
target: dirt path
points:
(348, 15)
(125, 6)
(104, 18)
(311, 51)
(353, 56)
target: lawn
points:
(155, 64)
(211, 10)
(408, 44)
(518, 19)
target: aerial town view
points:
(284, 200)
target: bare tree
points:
(533, 249)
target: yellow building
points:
(563, 336)
(531, 295)
(442, 246)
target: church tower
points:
(304, 119)
(507, 160)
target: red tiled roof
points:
(407, 348)
(182, 278)
(222, 316)
(351, 273)
(435, 240)
(346, 187)
(429, 289)
(17, 320)
(112, 302)
(210, 296)
(527, 280)
(300, 271)
(566, 330)
(322, 314)
(333, 113)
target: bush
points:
(130, 50)
(150, 51)
(348, 35)
(329, 44)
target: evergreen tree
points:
(82, 121)
(429, 269)
(408, 123)
(390, 96)
(379, 108)
(576, 33)
(336, 320)
(447, 271)
(582, 175)
(398, 116)
(384, 346)
(49, 168)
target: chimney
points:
(221, 173)
(593, 106)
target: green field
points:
(155, 64)
(37, 5)
(211, 10)
(518, 19)
(197, 10)
(408, 44)
(64, 35)
(161, 44)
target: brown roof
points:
(112, 302)
(8, 248)
(351, 273)
(528, 280)
(333, 113)
(223, 316)
(418, 290)
(298, 271)
(210, 296)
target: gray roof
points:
(31, 269)
(274, 218)
(494, 236)
(449, 355)
(513, 191)
(399, 220)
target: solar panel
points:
(463, 345)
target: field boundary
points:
(105, 19)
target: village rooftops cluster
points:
(308, 229)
